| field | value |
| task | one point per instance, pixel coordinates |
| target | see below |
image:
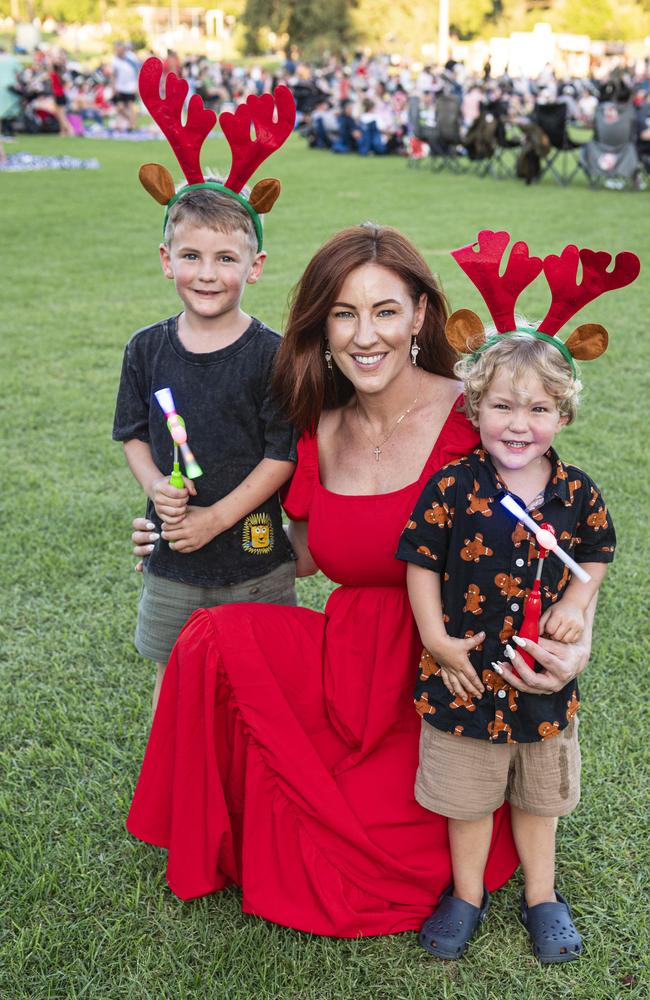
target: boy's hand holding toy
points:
(170, 502)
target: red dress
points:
(283, 752)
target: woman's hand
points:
(561, 662)
(143, 538)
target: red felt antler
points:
(247, 153)
(185, 140)
(568, 297)
(500, 292)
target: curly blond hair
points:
(521, 354)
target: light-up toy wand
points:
(176, 426)
(547, 542)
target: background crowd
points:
(366, 106)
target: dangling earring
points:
(415, 350)
(328, 356)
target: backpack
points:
(534, 148)
(480, 140)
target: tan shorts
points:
(465, 778)
(165, 605)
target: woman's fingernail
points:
(150, 548)
(520, 642)
(150, 526)
(498, 669)
(509, 651)
(154, 536)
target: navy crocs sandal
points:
(552, 931)
(447, 932)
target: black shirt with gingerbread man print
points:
(488, 561)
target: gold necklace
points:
(377, 447)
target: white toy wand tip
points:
(165, 400)
(518, 511)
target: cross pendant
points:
(377, 454)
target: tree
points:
(395, 25)
(467, 18)
(311, 25)
(70, 11)
(403, 26)
(607, 19)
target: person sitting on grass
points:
(349, 132)
(371, 140)
(470, 567)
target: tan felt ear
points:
(464, 331)
(588, 341)
(265, 194)
(158, 181)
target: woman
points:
(284, 748)
(59, 97)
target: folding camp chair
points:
(563, 161)
(421, 135)
(611, 158)
(503, 165)
(448, 128)
(480, 143)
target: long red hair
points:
(301, 378)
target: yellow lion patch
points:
(257, 534)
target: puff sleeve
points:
(297, 494)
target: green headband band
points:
(217, 186)
(562, 348)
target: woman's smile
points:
(369, 360)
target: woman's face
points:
(370, 327)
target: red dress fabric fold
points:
(283, 752)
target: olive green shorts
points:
(465, 778)
(165, 605)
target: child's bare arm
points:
(201, 524)
(297, 534)
(170, 503)
(565, 621)
(451, 654)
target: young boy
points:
(222, 538)
(470, 568)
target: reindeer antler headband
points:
(464, 329)
(186, 141)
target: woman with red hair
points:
(283, 751)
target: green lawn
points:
(85, 908)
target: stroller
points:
(32, 119)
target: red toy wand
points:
(529, 628)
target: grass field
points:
(85, 911)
